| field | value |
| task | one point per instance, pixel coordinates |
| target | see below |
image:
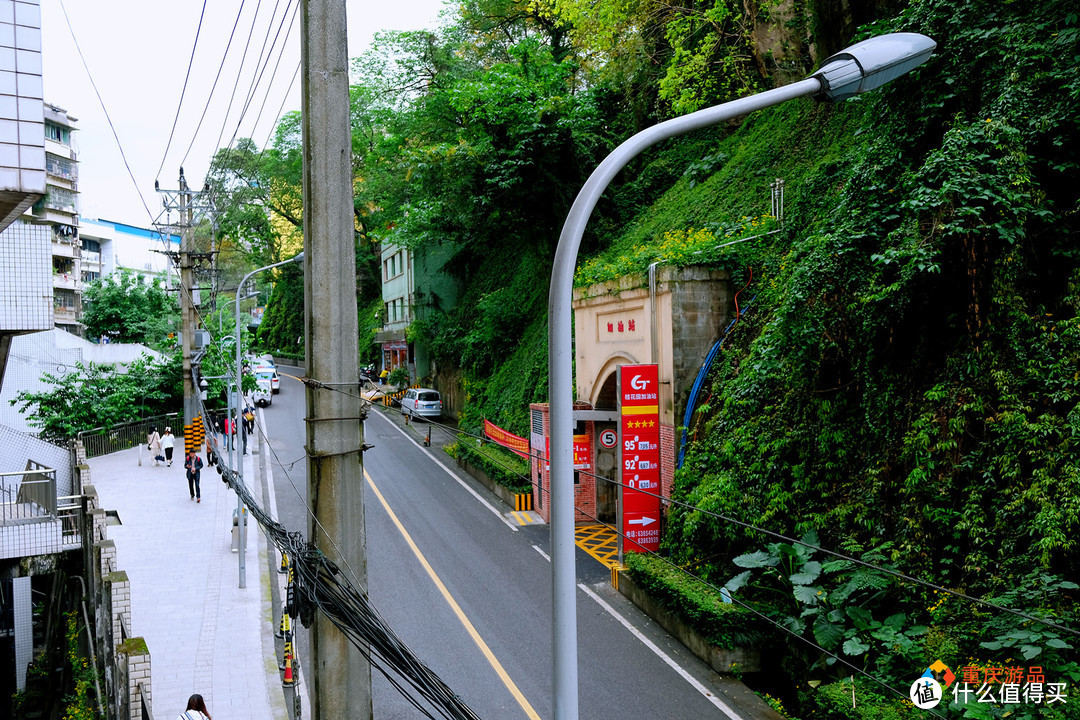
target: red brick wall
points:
(584, 489)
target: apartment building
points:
(108, 246)
(59, 210)
(416, 288)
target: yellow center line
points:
(499, 670)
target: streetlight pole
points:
(861, 67)
(240, 523)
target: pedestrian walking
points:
(153, 444)
(196, 709)
(168, 440)
(249, 419)
(193, 464)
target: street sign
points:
(639, 447)
(609, 438)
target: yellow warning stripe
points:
(641, 410)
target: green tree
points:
(282, 326)
(100, 395)
(125, 307)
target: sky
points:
(138, 52)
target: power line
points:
(183, 90)
(105, 110)
(321, 584)
(221, 66)
(780, 536)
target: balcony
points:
(65, 281)
(33, 520)
(64, 315)
(64, 249)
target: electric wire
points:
(108, 118)
(273, 74)
(256, 79)
(319, 583)
(183, 91)
(239, 73)
(780, 536)
(281, 109)
(213, 87)
(736, 601)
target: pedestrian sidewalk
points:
(205, 634)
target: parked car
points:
(262, 395)
(270, 374)
(421, 402)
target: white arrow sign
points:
(643, 521)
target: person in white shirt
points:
(167, 442)
(196, 709)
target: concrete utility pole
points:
(183, 202)
(187, 309)
(341, 677)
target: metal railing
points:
(105, 440)
(144, 702)
(27, 496)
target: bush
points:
(871, 702)
(699, 605)
(398, 377)
(504, 467)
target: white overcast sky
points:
(138, 52)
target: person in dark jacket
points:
(193, 464)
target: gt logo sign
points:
(637, 383)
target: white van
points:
(422, 402)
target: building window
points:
(393, 266)
(57, 134)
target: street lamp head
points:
(872, 63)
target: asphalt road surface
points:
(469, 589)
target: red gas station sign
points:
(639, 435)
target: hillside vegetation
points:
(904, 387)
(907, 381)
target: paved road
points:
(469, 589)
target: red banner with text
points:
(507, 439)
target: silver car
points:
(422, 402)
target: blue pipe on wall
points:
(695, 390)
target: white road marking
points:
(708, 694)
(451, 473)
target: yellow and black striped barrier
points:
(194, 435)
(389, 398)
(523, 502)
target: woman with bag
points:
(196, 709)
(153, 444)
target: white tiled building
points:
(22, 122)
